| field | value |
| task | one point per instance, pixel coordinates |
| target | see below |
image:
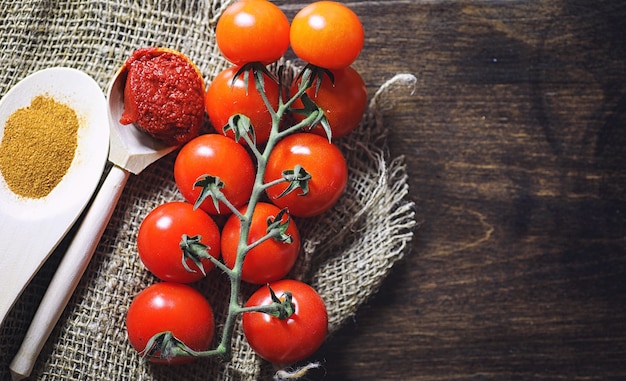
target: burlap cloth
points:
(346, 253)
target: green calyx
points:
(194, 250)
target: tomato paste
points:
(163, 95)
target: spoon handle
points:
(69, 272)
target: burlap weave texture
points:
(346, 254)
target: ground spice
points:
(38, 146)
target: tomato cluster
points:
(325, 34)
(270, 161)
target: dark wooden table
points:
(515, 144)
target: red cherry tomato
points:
(322, 160)
(173, 307)
(292, 339)
(252, 31)
(343, 101)
(159, 237)
(219, 156)
(225, 98)
(327, 34)
(270, 260)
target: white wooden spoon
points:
(31, 228)
(131, 151)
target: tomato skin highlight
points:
(252, 31)
(225, 98)
(344, 101)
(270, 260)
(174, 307)
(159, 236)
(220, 156)
(321, 159)
(327, 34)
(293, 339)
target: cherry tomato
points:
(219, 156)
(252, 31)
(270, 260)
(292, 339)
(343, 101)
(159, 237)
(225, 98)
(327, 34)
(173, 307)
(322, 160)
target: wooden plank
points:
(515, 144)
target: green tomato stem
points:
(258, 189)
(224, 348)
(229, 205)
(268, 308)
(220, 265)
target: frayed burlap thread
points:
(346, 253)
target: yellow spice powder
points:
(38, 146)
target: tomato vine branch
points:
(166, 344)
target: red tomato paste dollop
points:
(163, 95)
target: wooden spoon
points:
(131, 151)
(30, 228)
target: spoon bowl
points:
(30, 229)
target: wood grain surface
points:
(514, 142)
